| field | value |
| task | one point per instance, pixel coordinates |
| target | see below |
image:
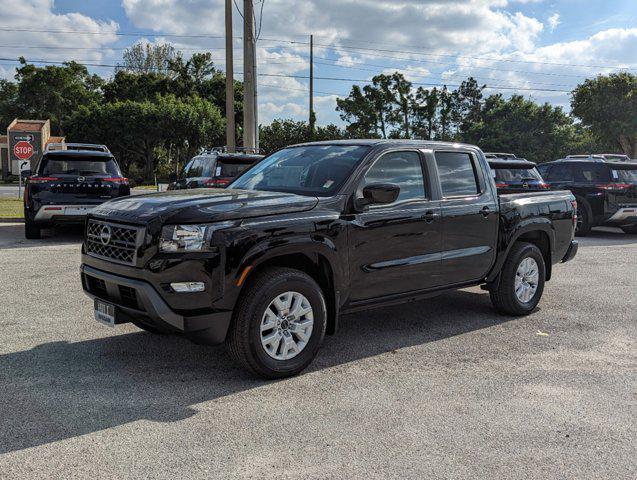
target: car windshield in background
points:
(623, 175)
(516, 174)
(199, 167)
(313, 170)
(228, 168)
(79, 165)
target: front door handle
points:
(430, 216)
(485, 211)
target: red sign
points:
(23, 150)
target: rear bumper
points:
(623, 216)
(571, 252)
(50, 213)
(138, 299)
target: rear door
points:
(469, 216)
(395, 248)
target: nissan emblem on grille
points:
(105, 234)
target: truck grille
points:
(115, 242)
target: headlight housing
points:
(189, 238)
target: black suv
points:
(213, 169)
(67, 184)
(516, 176)
(606, 191)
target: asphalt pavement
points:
(443, 388)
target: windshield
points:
(516, 174)
(627, 176)
(313, 170)
(229, 168)
(79, 165)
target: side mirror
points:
(25, 173)
(378, 193)
(172, 177)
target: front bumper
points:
(138, 299)
(571, 252)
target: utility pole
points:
(250, 119)
(230, 128)
(312, 117)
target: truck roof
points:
(386, 141)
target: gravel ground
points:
(443, 388)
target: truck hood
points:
(202, 205)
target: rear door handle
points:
(485, 211)
(430, 216)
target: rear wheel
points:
(632, 229)
(521, 280)
(279, 323)
(583, 226)
(31, 229)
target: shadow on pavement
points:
(605, 237)
(61, 390)
(12, 236)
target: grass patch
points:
(147, 187)
(11, 208)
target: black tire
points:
(31, 230)
(243, 340)
(504, 298)
(583, 226)
(630, 230)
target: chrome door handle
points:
(430, 216)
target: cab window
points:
(457, 174)
(400, 168)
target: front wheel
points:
(521, 280)
(279, 323)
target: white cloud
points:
(38, 15)
(554, 21)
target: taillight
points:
(500, 185)
(544, 185)
(216, 182)
(122, 180)
(614, 186)
(42, 179)
(574, 205)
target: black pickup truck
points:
(318, 230)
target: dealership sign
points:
(23, 150)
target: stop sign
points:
(23, 150)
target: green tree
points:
(8, 103)
(135, 131)
(148, 58)
(424, 108)
(55, 92)
(284, 132)
(608, 105)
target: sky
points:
(537, 48)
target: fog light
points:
(188, 287)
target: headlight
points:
(189, 238)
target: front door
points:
(395, 248)
(469, 217)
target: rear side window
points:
(400, 168)
(561, 173)
(457, 174)
(623, 175)
(78, 165)
(590, 173)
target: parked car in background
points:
(618, 157)
(69, 181)
(516, 176)
(317, 230)
(213, 169)
(606, 190)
